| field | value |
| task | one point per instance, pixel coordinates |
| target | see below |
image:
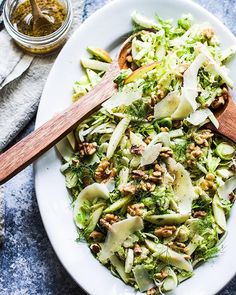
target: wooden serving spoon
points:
(226, 117)
(42, 139)
(41, 22)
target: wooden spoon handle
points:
(227, 121)
(35, 144)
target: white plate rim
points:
(40, 119)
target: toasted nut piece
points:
(199, 214)
(164, 129)
(208, 33)
(104, 171)
(137, 149)
(207, 185)
(194, 152)
(108, 220)
(87, 149)
(221, 100)
(136, 209)
(96, 236)
(178, 247)
(139, 174)
(203, 136)
(128, 188)
(156, 177)
(210, 176)
(129, 58)
(232, 197)
(152, 291)
(165, 232)
(137, 249)
(95, 248)
(233, 165)
(159, 168)
(166, 152)
(147, 186)
(161, 275)
(148, 139)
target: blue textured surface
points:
(27, 261)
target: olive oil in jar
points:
(22, 18)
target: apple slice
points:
(140, 72)
(100, 53)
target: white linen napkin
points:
(22, 78)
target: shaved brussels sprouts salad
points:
(152, 188)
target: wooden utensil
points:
(227, 119)
(42, 139)
(41, 21)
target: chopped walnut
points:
(148, 139)
(208, 33)
(95, 248)
(166, 152)
(210, 176)
(87, 149)
(232, 166)
(137, 249)
(180, 70)
(137, 149)
(177, 246)
(147, 186)
(161, 275)
(152, 291)
(207, 185)
(156, 177)
(157, 167)
(136, 209)
(165, 232)
(199, 214)
(203, 136)
(194, 151)
(232, 197)
(129, 58)
(164, 129)
(139, 174)
(108, 220)
(96, 236)
(177, 124)
(221, 100)
(150, 118)
(104, 171)
(160, 93)
(128, 188)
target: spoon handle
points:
(42, 139)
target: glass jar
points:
(38, 45)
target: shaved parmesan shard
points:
(199, 117)
(65, 149)
(167, 106)
(222, 71)
(143, 21)
(95, 190)
(116, 136)
(227, 187)
(150, 153)
(219, 213)
(183, 188)
(167, 255)
(188, 102)
(118, 233)
(122, 98)
(135, 139)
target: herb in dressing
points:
(22, 18)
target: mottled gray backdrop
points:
(28, 264)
